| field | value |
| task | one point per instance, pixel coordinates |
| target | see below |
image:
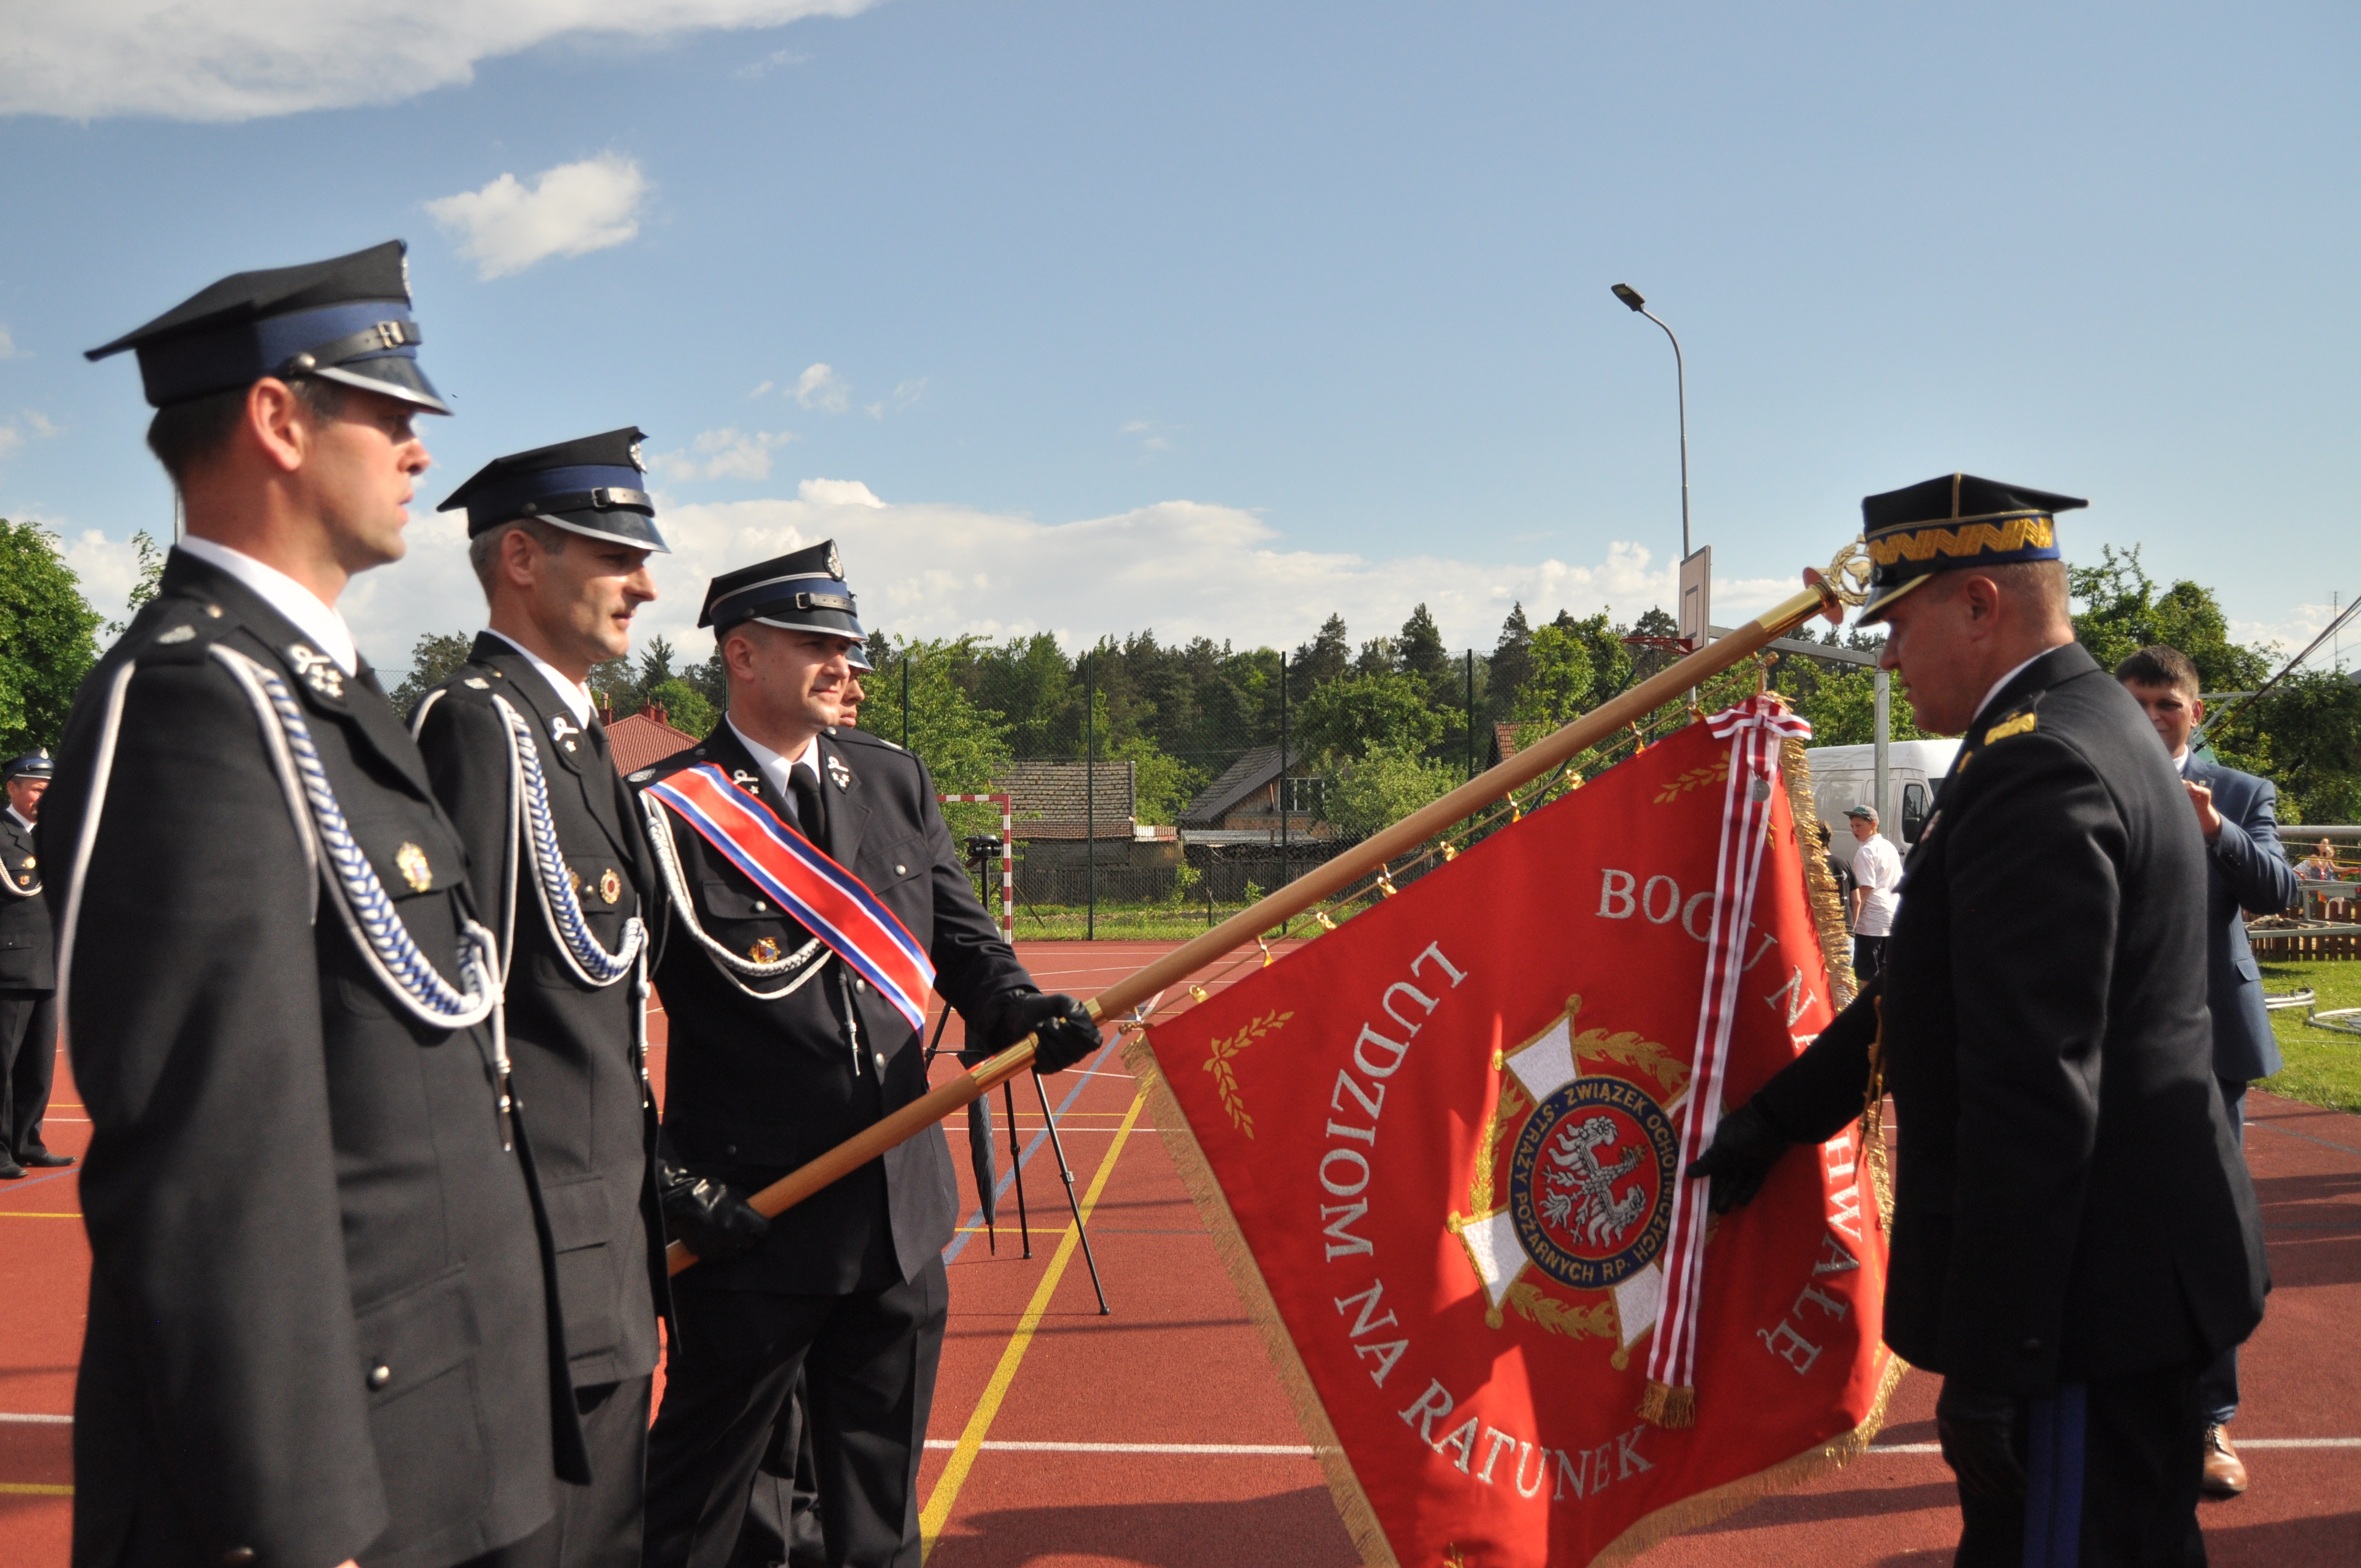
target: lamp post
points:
(1631, 296)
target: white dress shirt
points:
(776, 769)
(1877, 871)
(573, 694)
(2010, 676)
(315, 619)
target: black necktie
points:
(810, 813)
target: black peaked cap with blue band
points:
(596, 487)
(1947, 523)
(33, 764)
(802, 591)
(344, 320)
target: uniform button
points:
(730, 1151)
(761, 907)
(2030, 1347)
(900, 869)
(380, 1375)
(237, 1557)
(880, 1062)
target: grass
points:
(2322, 1068)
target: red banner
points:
(1440, 1147)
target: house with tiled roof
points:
(645, 738)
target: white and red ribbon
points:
(1755, 729)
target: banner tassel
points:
(1668, 1407)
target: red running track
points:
(1158, 1435)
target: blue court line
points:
(25, 1184)
(1008, 1178)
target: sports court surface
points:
(1158, 1435)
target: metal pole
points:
(1067, 1172)
(1471, 713)
(1090, 798)
(1681, 392)
(1882, 685)
(1283, 877)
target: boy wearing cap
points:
(560, 537)
(29, 1007)
(1876, 873)
(317, 1327)
(794, 1034)
(2074, 1234)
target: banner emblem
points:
(1589, 1182)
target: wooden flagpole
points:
(1816, 598)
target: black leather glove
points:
(1745, 1147)
(705, 1216)
(1066, 1031)
(1977, 1432)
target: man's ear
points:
(277, 423)
(520, 554)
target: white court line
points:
(1281, 1450)
(37, 1421)
(2244, 1443)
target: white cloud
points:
(2294, 631)
(8, 350)
(772, 62)
(106, 567)
(760, 389)
(572, 209)
(821, 388)
(904, 395)
(231, 60)
(725, 453)
(1181, 568)
(11, 438)
(41, 423)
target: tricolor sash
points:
(832, 904)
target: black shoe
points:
(45, 1160)
(11, 1171)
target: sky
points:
(1213, 319)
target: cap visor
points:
(1880, 601)
(395, 376)
(618, 525)
(825, 622)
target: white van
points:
(1845, 777)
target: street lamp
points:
(1631, 296)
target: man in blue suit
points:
(2246, 869)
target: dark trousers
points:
(871, 1359)
(1868, 958)
(597, 1526)
(782, 1528)
(2217, 1385)
(2140, 1458)
(28, 1056)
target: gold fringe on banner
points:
(1819, 882)
(1666, 1406)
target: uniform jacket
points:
(576, 1048)
(755, 1088)
(2070, 1200)
(317, 1300)
(28, 958)
(2245, 869)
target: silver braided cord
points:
(730, 964)
(560, 905)
(377, 928)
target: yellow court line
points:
(32, 1489)
(938, 1511)
(33, 1214)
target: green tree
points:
(1841, 704)
(1512, 661)
(1419, 648)
(1382, 787)
(432, 660)
(151, 568)
(1162, 784)
(1350, 716)
(2304, 734)
(1559, 683)
(45, 638)
(684, 706)
(961, 744)
(2122, 613)
(1320, 660)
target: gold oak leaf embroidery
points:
(1225, 1082)
(1713, 772)
(1564, 1316)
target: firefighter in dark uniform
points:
(318, 1308)
(560, 538)
(2074, 1232)
(782, 1051)
(28, 1006)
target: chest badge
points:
(839, 773)
(611, 886)
(2023, 724)
(764, 951)
(745, 781)
(411, 861)
(318, 670)
(563, 730)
